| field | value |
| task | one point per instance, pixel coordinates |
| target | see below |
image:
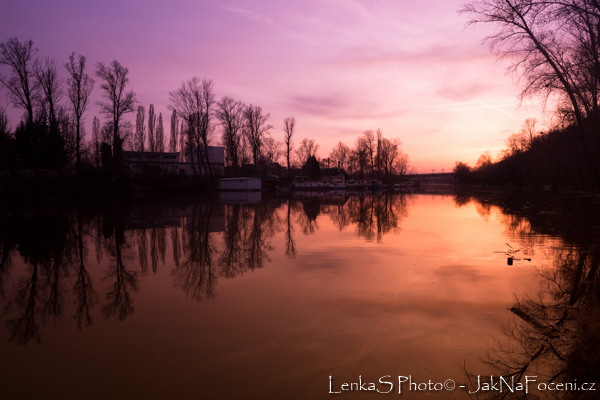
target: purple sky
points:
(339, 66)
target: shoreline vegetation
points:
(553, 50)
(51, 134)
(538, 159)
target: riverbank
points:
(102, 183)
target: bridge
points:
(441, 177)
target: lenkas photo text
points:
(501, 384)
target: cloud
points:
(437, 54)
(271, 22)
(340, 106)
(248, 13)
(463, 91)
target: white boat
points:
(337, 184)
(302, 183)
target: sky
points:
(340, 67)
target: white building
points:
(240, 184)
(137, 162)
(162, 163)
(216, 158)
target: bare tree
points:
(256, 130)
(367, 143)
(194, 102)
(389, 153)
(245, 154)
(96, 141)
(230, 113)
(522, 141)
(116, 103)
(151, 129)
(378, 160)
(361, 155)
(127, 130)
(50, 83)
(140, 129)
(160, 135)
(340, 153)
(174, 139)
(484, 160)
(22, 83)
(7, 158)
(106, 133)
(308, 148)
(272, 150)
(556, 52)
(352, 163)
(528, 131)
(402, 166)
(289, 124)
(183, 138)
(4, 128)
(57, 119)
(80, 88)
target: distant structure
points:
(138, 162)
(330, 175)
(216, 159)
(163, 163)
(276, 169)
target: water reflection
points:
(283, 292)
(86, 296)
(198, 240)
(372, 215)
(552, 334)
(46, 243)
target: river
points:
(300, 296)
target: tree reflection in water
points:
(374, 215)
(290, 246)
(122, 281)
(308, 218)
(197, 240)
(555, 333)
(43, 241)
(196, 275)
(85, 295)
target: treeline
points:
(536, 158)
(373, 156)
(555, 53)
(51, 134)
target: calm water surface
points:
(245, 296)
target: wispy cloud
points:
(266, 20)
(438, 53)
(248, 13)
(368, 22)
(459, 108)
(497, 108)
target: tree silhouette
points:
(194, 102)
(556, 54)
(80, 88)
(140, 129)
(117, 102)
(230, 113)
(289, 126)
(256, 130)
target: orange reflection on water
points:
(269, 300)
